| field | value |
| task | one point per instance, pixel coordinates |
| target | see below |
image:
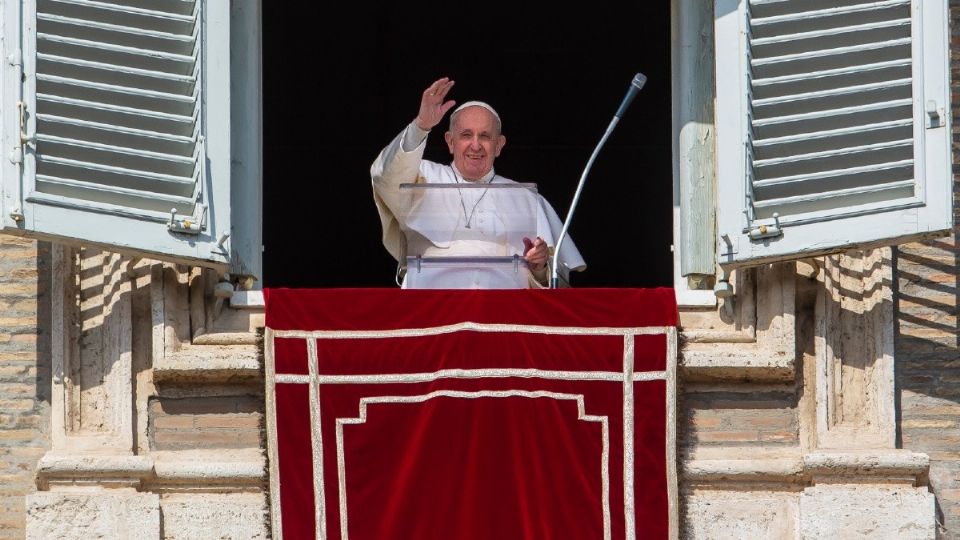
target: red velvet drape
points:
(421, 430)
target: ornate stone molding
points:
(754, 339)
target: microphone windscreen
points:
(639, 80)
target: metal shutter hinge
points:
(16, 154)
(15, 59)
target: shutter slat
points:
(117, 96)
(834, 92)
(130, 9)
(157, 202)
(874, 189)
(850, 70)
(149, 175)
(142, 92)
(829, 12)
(795, 158)
(117, 129)
(758, 62)
(149, 53)
(786, 38)
(119, 69)
(116, 135)
(832, 112)
(84, 25)
(118, 149)
(183, 7)
(118, 75)
(834, 132)
(179, 118)
(800, 178)
(91, 203)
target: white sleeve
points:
(394, 166)
(413, 137)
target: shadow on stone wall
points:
(44, 322)
(927, 367)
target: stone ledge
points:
(867, 463)
(226, 338)
(94, 465)
(730, 363)
(716, 336)
(73, 470)
(785, 469)
(208, 363)
(210, 467)
(876, 466)
(193, 468)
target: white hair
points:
(486, 106)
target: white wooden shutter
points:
(124, 109)
(833, 125)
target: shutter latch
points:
(934, 115)
(766, 231)
(187, 225)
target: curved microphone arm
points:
(554, 265)
(635, 85)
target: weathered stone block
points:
(858, 511)
(214, 516)
(83, 516)
(740, 514)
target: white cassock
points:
(485, 219)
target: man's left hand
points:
(535, 252)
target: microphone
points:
(635, 85)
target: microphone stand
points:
(635, 86)
(573, 206)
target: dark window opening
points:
(337, 88)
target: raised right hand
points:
(432, 106)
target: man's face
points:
(475, 142)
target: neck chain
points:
(463, 205)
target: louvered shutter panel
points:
(824, 135)
(125, 112)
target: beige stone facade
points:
(135, 401)
(816, 403)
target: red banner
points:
(472, 414)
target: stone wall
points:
(732, 415)
(927, 332)
(24, 375)
(154, 428)
(186, 423)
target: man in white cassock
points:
(477, 218)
